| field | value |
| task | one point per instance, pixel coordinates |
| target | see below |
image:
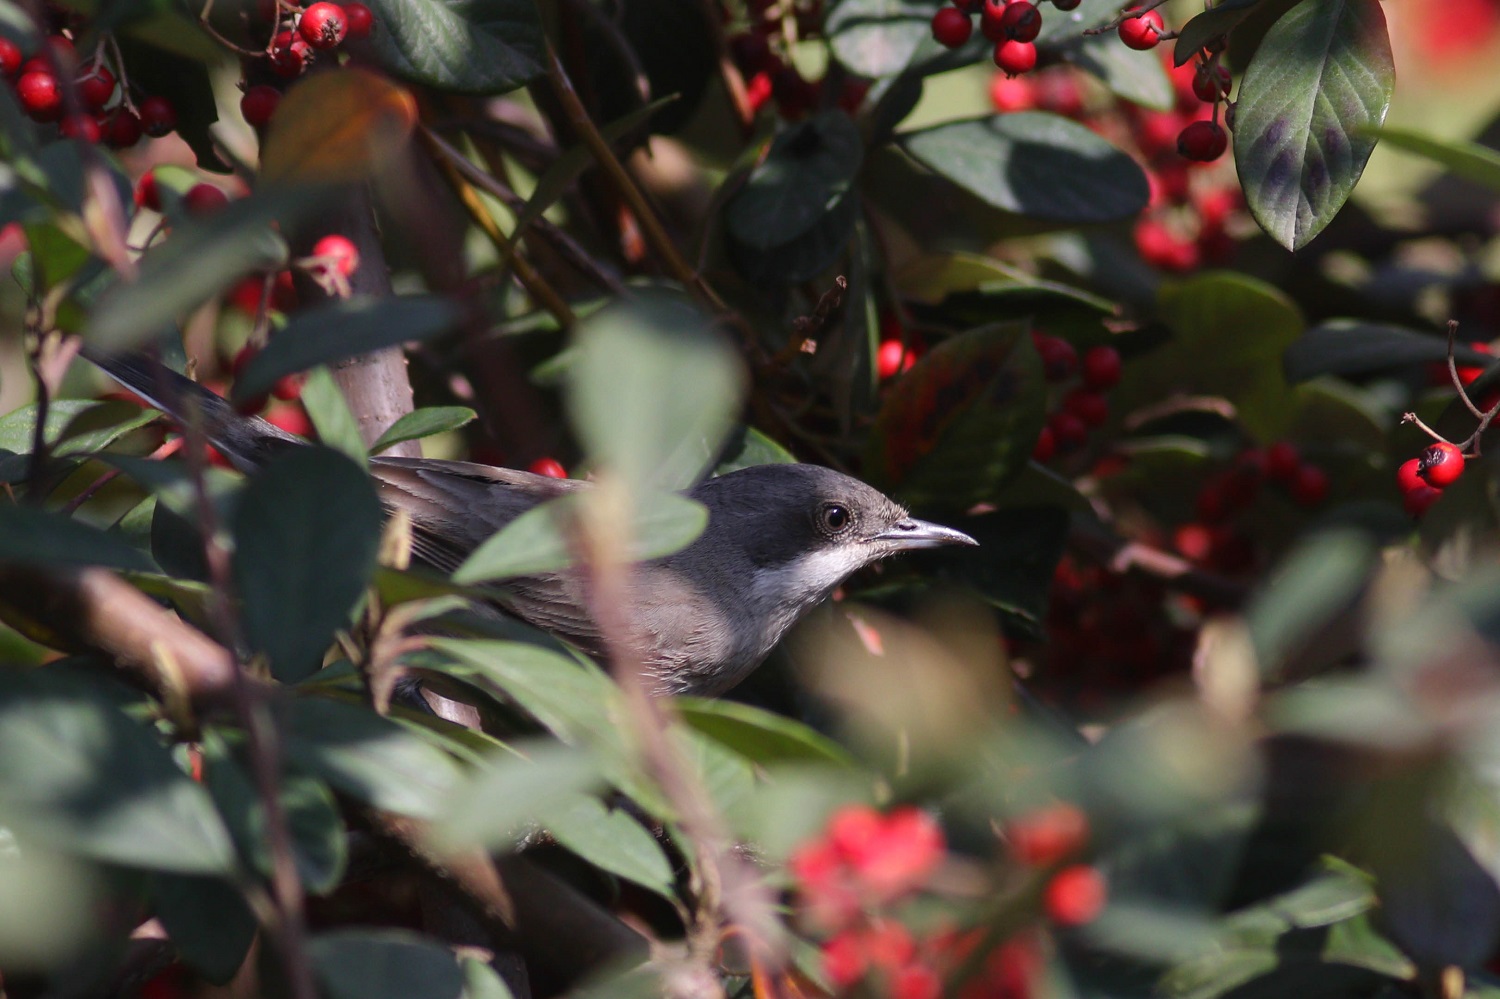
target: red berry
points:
(96, 85)
(1193, 541)
(1160, 247)
(1045, 836)
(1090, 407)
(292, 419)
(40, 96)
(1211, 83)
(917, 981)
(1010, 94)
(991, 17)
(1059, 359)
(158, 116)
(1310, 486)
(1141, 32)
(1022, 21)
(1068, 430)
(202, 199)
(1015, 58)
(951, 27)
(289, 55)
(1101, 368)
(1202, 141)
(80, 127)
(1075, 895)
(258, 104)
(1418, 500)
(1066, 4)
(360, 18)
(323, 25)
(10, 58)
(1045, 446)
(550, 467)
(147, 193)
(1409, 476)
(343, 258)
(1282, 461)
(1442, 464)
(844, 959)
(287, 388)
(123, 129)
(893, 358)
(255, 403)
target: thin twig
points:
(1458, 383)
(1128, 15)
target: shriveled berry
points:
(258, 104)
(158, 116)
(951, 27)
(550, 467)
(1409, 476)
(1022, 21)
(1075, 895)
(1101, 368)
(1202, 141)
(360, 18)
(323, 25)
(202, 199)
(40, 96)
(1442, 464)
(1014, 58)
(1310, 486)
(342, 257)
(1141, 31)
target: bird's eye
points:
(835, 517)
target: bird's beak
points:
(910, 533)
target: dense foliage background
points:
(1210, 712)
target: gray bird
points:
(779, 539)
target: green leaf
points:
(384, 964)
(424, 422)
(331, 416)
(1468, 160)
(154, 70)
(759, 735)
(1212, 23)
(1321, 578)
(1130, 74)
(878, 38)
(1353, 347)
(32, 536)
(963, 420)
(536, 542)
(481, 981)
(497, 803)
(654, 391)
(341, 329)
(1035, 164)
(1058, 27)
(370, 758)
(201, 258)
(751, 447)
(78, 774)
(1320, 80)
(208, 922)
(461, 46)
(306, 533)
(611, 839)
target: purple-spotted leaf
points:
(962, 421)
(1321, 79)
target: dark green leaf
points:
(536, 542)
(306, 532)
(331, 417)
(496, 804)
(80, 775)
(1320, 81)
(1351, 347)
(810, 168)
(341, 329)
(1130, 74)
(186, 83)
(1058, 27)
(654, 391)
(1019, 548)
(962, 421)
(31, 536)
(1035, 164)
(759, 735)
(611, 839)
(384, 964)
(424, 422)
(481, 981)
(749, 446)
(370, 758)
(1212, 23)
(464, 46)
(208, 922)
(1321, 578)
(1468, 160)
(18, 427)
(804, 257)
(877, 38)
(200, 259)
(99, 426)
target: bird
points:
(780, 538)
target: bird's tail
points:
(247, 441)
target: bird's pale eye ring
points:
(835, 517)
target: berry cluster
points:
(1082, 408)
(301, 34)
(1076, 893)
(199, 199)
(762, 55)
(1012, 25)
(87, 99)
(1423, 479)
(1212, 540)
